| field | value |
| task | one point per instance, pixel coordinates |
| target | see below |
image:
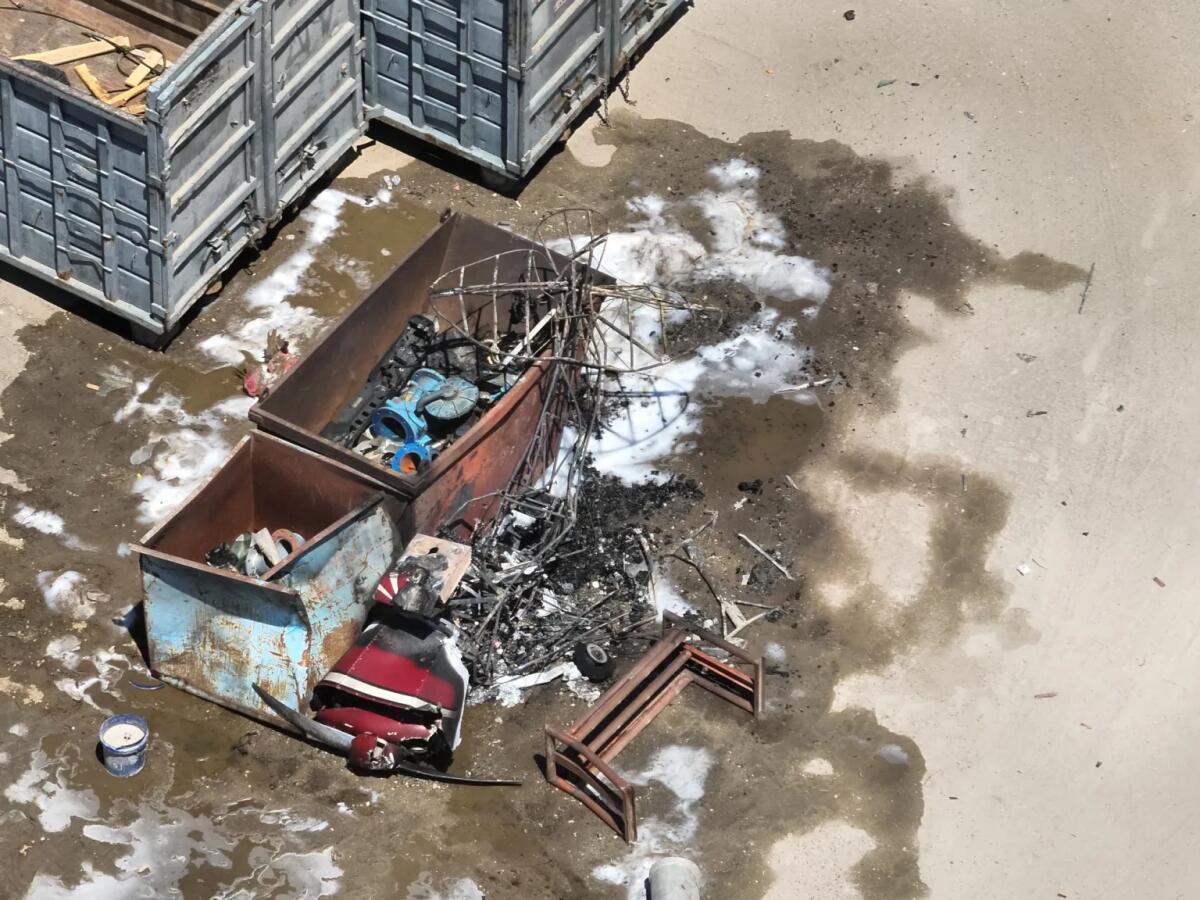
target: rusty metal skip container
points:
(461, 482)
(216, 633)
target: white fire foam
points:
(57, 804)
(424, 888)
(267, 301)
(48, 523)
(182, 448)
(746, 242)
(66, 593)
(684, 772)
(745, 245)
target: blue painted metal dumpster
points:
(214, 632)
(140, 213)
(498, 81)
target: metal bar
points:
(108, 222)
(671, 621)
(647, 715)
(12, 185)
(632, 703)
(719, 669)
(58, 194)
(641, 694)
(466, 78)
(713, 687)
(648, 663)
(589, 756)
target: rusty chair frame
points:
(579, 759)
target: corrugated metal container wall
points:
(497, 81)
(140, 214)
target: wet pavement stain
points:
(882, 237)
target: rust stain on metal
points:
(579, 758)
(479, 462)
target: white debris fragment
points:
(819, 767)
(424, 888)
(893, 754)
(48, 523)
(65, 593)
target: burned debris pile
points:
(459, 400)
(554, 576)
(255, 553)
(428, 390)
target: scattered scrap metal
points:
(394, 701)
(514, 590)
(255, 553)
(579, 759)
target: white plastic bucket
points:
(123, 740)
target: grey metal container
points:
(140, 214)
(498, 81)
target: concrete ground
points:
(985, 681)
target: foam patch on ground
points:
(182, 448)
(746, 245)
(56, 804)
(67, 594)
(665, 405)
(161, 845)
(102, 669)
(425, 888)
(48, 523)
(746, 242)
(684, 772)
(267, 301)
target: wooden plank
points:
(92, 83)
(458, 558)
(151, 62)
(61, 56)
(125, 96)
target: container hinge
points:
(217, 243)
(308, 154)
(256, 225)
(169, 239)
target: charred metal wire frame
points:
(579, 759)
(582, 326)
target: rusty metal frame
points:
(579, 758)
